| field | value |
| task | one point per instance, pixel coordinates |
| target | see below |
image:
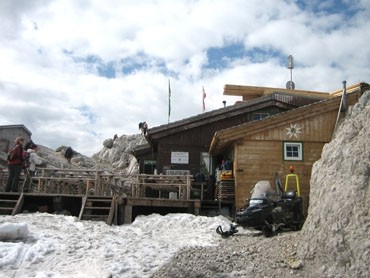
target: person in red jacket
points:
(15, 165)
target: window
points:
(149, 166)
(293, 151)
(259, 116)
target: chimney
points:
(224, 102)
(343, 105)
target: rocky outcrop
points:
(336, 231)
(115, 156)
(118, 154)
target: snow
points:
(47, 245)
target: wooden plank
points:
(111, 211)
(128, 214)
(97, 208)
(7, 208)
(19, 204)
(97, 199)
(84, 199)
(8, 200)
(158, 202)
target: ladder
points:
(11, 203)
(98, 208)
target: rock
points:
(333, 233)
(115, 156)
(295, 264)
(13, 231)
(108, 143)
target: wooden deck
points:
(98, 195)
(112, 210)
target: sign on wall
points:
(180, 157)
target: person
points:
(143, 126)
(68, 154)
(33, 160)
(28, 145)
(15, 165)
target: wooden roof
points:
(224, 138)
(141, 150)
(284, 100)
(362, 87)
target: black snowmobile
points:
(271, 212)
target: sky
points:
(77, 72)
(44, 245)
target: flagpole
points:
(203, 98)
(169, 100)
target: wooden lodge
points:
(182, 147)
(265, 149)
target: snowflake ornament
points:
(293, 130)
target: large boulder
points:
(336, 232)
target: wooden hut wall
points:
(259, 156)
(261, 160)
(317, 128)
(196, 140)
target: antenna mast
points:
(290, 84)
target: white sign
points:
(180, 157)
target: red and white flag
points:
(204, 96)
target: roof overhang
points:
(142, 150)
(252, 92)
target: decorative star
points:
(293, 130)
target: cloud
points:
(78, 72)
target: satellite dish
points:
(290, 85)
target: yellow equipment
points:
(292, 175)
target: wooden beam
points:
(19, 204)
(251, 92)
(128, 214)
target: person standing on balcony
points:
(15, 165)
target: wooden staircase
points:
(98, 209)
(11, 203)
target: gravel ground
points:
(245, 254)
(335, 239)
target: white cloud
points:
(53, 56)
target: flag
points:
(204, 96)
(169, 100)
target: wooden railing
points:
(76, 181)
(163, 184)
(102, 183)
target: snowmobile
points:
(271, 212)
